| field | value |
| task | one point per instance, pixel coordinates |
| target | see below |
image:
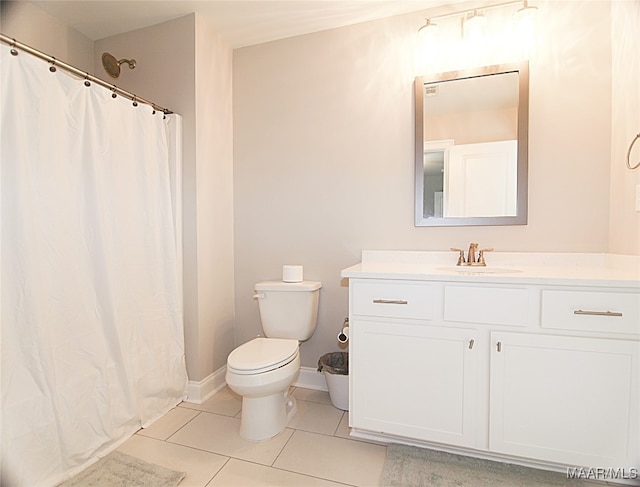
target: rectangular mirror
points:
(472, 147)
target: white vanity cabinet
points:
(410, 378)
(565, 399)
(414, 380)
(526, 371)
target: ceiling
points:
(240, 22)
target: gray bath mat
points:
(120, 470)
(409, 466)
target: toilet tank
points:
(288, 309)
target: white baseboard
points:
(199, 392)
(310, 378)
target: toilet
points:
(262, 369)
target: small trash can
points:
(335, 366)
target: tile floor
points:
(202, 440)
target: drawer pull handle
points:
(499, 346)
(471, 342)
(390, 301)
(596, 313)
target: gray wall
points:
(324, 163)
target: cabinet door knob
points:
(499, 346)
(471, 342)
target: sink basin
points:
(477, 270)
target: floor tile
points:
(225, 401)
(238, 473)
(200, 466)
(316, 418)
(168, 424)
(312, 395)
(221, 434)
(343, 429)
(332, 458)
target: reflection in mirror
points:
(471, 147)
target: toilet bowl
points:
(261, 371)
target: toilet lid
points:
(302, 286)
(262, 354)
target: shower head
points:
(112, 65)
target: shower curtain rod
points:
(82, 74)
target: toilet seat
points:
(262, 355)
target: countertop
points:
(566, 269)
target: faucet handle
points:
(460, 255)
(481, 256)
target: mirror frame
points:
(520, 218)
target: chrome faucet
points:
(471, 255)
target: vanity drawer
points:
(487, 305)
(609, 312)
(393, 299)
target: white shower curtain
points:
(92, 333)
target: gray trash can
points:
(335, 367)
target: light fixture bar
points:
(471, 10)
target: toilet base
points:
(267, 416)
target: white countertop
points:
(579, 269)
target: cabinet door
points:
(414, 381)
(572, 401)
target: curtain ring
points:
(135, 101)
(14, 51)
(86, 80)
(113, 92)
(53, 68)
(629, 154)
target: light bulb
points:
(474, 27)
(527, 11)
(526, 23)
(428, 34)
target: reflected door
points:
(481, 179)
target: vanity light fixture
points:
(525, 19)
(428, 33)
(473, 19)
(527, 11)
(473, 26)
(428, 29)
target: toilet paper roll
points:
(343, 336)
(292, 273)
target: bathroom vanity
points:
(534, 359)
